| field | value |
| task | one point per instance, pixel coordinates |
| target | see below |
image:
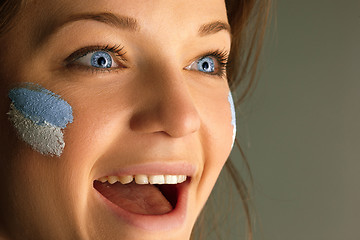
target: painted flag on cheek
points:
(39, 116)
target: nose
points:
(167, 106)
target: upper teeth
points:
(145, 179)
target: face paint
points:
(38, 116)
(233, 116)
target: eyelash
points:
(118, 51)
(223, 59)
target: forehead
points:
(146, 8)
(149, 13)
(175, 18)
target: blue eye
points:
(213, 64)
(206, 65)
(101, 60)
(98, 59)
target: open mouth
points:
(142, 194)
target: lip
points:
(172, 220)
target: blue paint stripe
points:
(41, 105)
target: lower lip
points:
(172, 220)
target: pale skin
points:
(153, 110)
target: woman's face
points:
(149, 96)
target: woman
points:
(116, 116)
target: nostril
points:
(146, 121)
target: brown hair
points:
(8, 9)
(248, 20)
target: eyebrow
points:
(213, 27)
(121, 22)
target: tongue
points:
(136, 198)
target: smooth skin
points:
(150, 108)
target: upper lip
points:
(155, 168)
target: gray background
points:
(301, 128)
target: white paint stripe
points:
(233, 116)
(45, 138)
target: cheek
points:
(99, 120)
(217, 139)
(219, 129)
(39, 116)
(222, 123)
